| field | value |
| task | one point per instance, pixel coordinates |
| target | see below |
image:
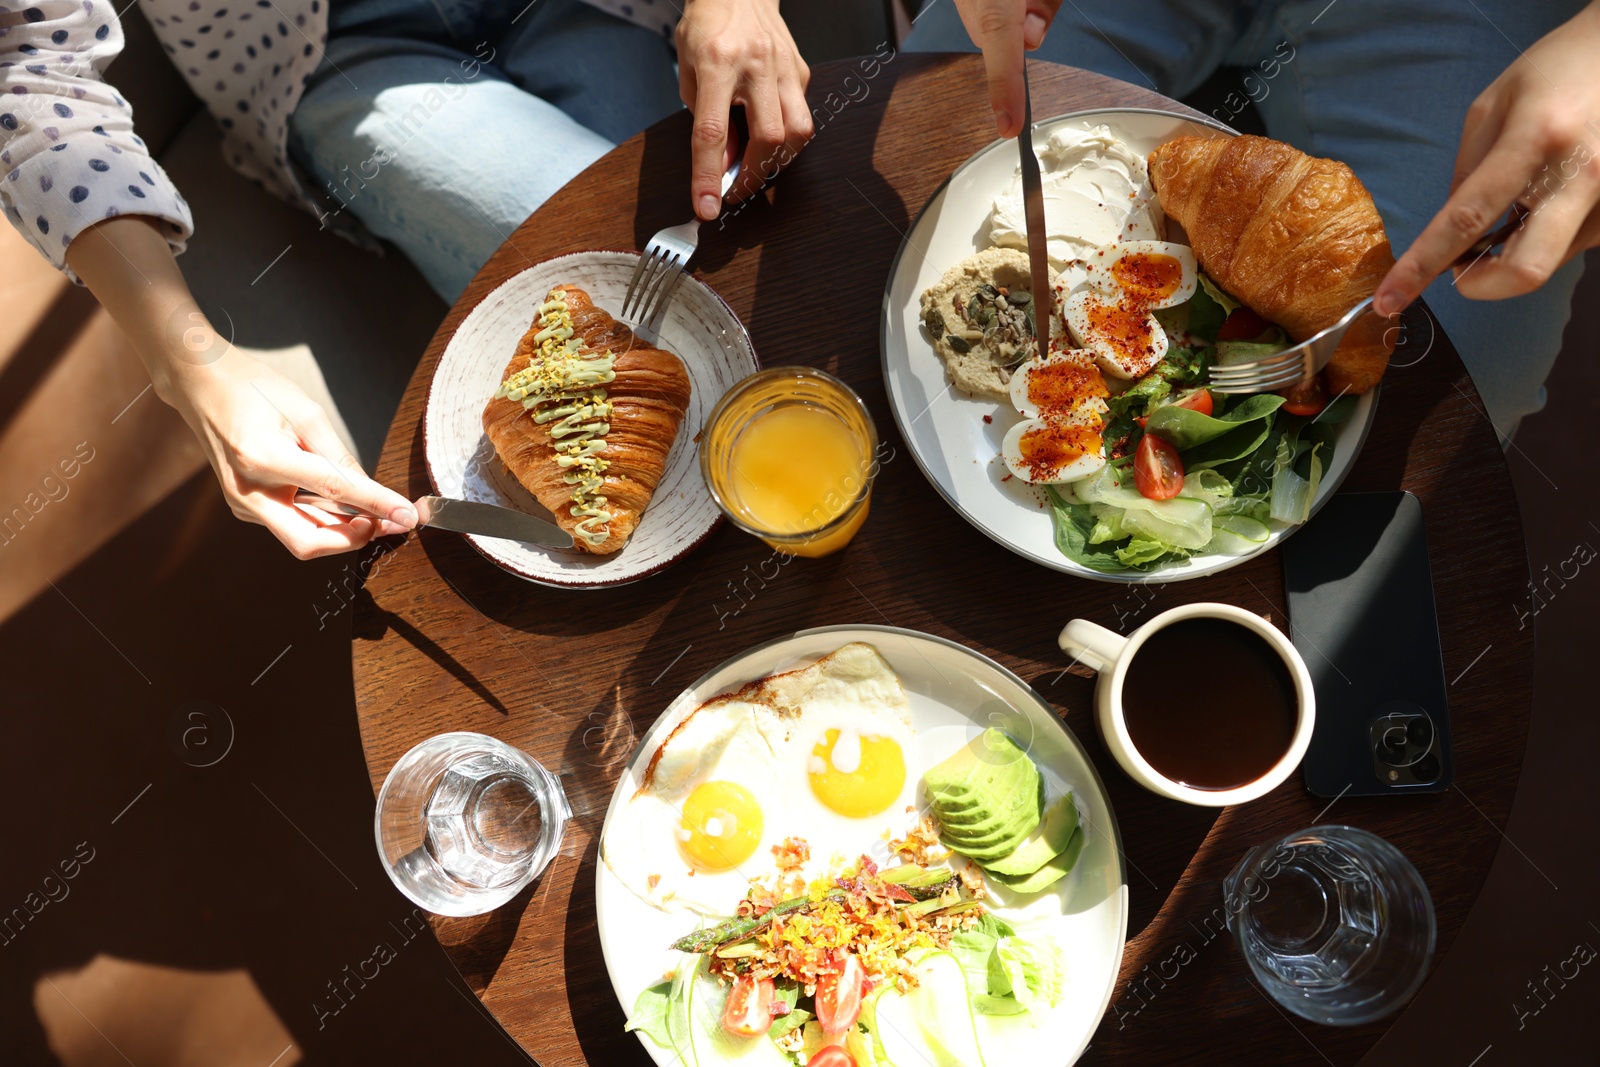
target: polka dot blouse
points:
(68, 154)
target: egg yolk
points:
(721, 825)
(1150, 275)
(1047, 449)
(857, 776)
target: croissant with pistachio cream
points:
(585, 418)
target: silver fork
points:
(662, 265)
(1283, 369)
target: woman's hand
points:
(1533, 135)
(740, 52)
(1005, 29)
(264, 437)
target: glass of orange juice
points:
(789, 456)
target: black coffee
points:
(1209, 703)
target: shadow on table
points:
(375, 622)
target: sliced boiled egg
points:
(1126, 339)
(1061, 448)
(1056, 382)
(1154, 274)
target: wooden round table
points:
(446, 641)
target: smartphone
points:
(1362, 615)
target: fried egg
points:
(702, 824)
(1126, 340)
(1155, 274)
(823, 754)
(844, 754)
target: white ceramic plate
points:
(944, 427)
(697, 327)
(961, 692)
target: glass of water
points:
(464, 821)
(1336, 925)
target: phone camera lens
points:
(1426, 769)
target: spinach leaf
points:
(1184, 428)
(650, 1013)
(1209, 308)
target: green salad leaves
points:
(1247, 463)
(1008, 974)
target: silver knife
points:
(464, 516)
(1033, 214)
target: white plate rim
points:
(865, 630)
(1172, 572)
(685, 547)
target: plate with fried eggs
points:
(824, 736)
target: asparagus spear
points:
(734, 929)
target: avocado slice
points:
(1009, 818)
(1050, 873)
(1048, 841)
(990, 764)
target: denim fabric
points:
(442, 124)
(1383, 85)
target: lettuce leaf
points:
(988, 979)
(1034, 967)
(1179, 367)
(1073, 524)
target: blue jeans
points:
(1381, 84)
(442, 125)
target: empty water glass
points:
(1336, 925)
(464, 821)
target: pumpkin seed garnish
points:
(960, 344)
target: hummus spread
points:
(980, 319)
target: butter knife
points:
(1033, 215)
(464, 516)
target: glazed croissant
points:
(1296, 238)
(585, 418)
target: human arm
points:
(81, 186)
(264, 437)
(740, 52)
(1531, 136)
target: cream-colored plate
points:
(944, 428)
(697, 327)
(958, 692)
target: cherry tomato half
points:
(1242, 324)
(1307, 398)
(748, 1012)
(831, 1056)
(1199, 400)
(839, 997)
(1157, 469)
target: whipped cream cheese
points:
(1096, 192)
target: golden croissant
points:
(585, 418)
(1296, 238)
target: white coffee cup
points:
(1110, 654)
